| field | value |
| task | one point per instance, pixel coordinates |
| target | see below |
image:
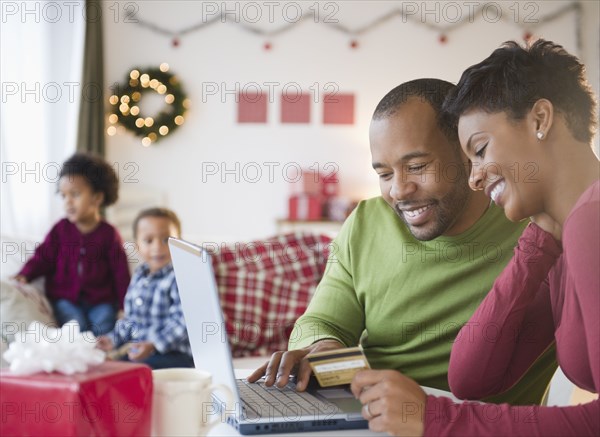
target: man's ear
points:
(542, 116)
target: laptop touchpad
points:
(336, 393)
(342, 398)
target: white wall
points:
(309, 53)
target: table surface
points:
(245, 366)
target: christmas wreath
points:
(126, 98)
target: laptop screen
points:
(202, 311)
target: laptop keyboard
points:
(260, 401)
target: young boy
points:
(153, 329)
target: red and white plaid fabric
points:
(265, 286)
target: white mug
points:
(182, 402)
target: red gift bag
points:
(112, 399)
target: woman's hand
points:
(548, 224)
(392, 402)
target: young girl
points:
(526, 119)
(82, 257)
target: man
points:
(410, 267)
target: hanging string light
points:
(443, 31)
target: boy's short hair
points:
(160, 213)
(97, 172)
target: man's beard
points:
(446, 210)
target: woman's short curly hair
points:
(513, 78)
(98, 173)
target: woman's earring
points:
(540, 135)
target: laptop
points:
(257, 409)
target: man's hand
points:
(140, 351)
(392, 402)
(281, 365)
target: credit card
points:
(337, 367)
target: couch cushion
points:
(21, 304)
(265, 286)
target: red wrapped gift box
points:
(112, 399)
(316, 183)
(330, 185)
(309, 182)
(305, 207)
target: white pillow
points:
(3, 348)
(21, 304)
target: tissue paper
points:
(43, 348)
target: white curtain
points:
(41, 66)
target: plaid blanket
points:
(265, 286)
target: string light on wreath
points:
(126, 109)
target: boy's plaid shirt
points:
(153, 312)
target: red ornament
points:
(175, 42)
(268, 46)
(354, 44)
(443, 39)
(527, 36)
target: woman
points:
(526, 119)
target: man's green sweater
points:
(405, 300)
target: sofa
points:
(265, 285)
